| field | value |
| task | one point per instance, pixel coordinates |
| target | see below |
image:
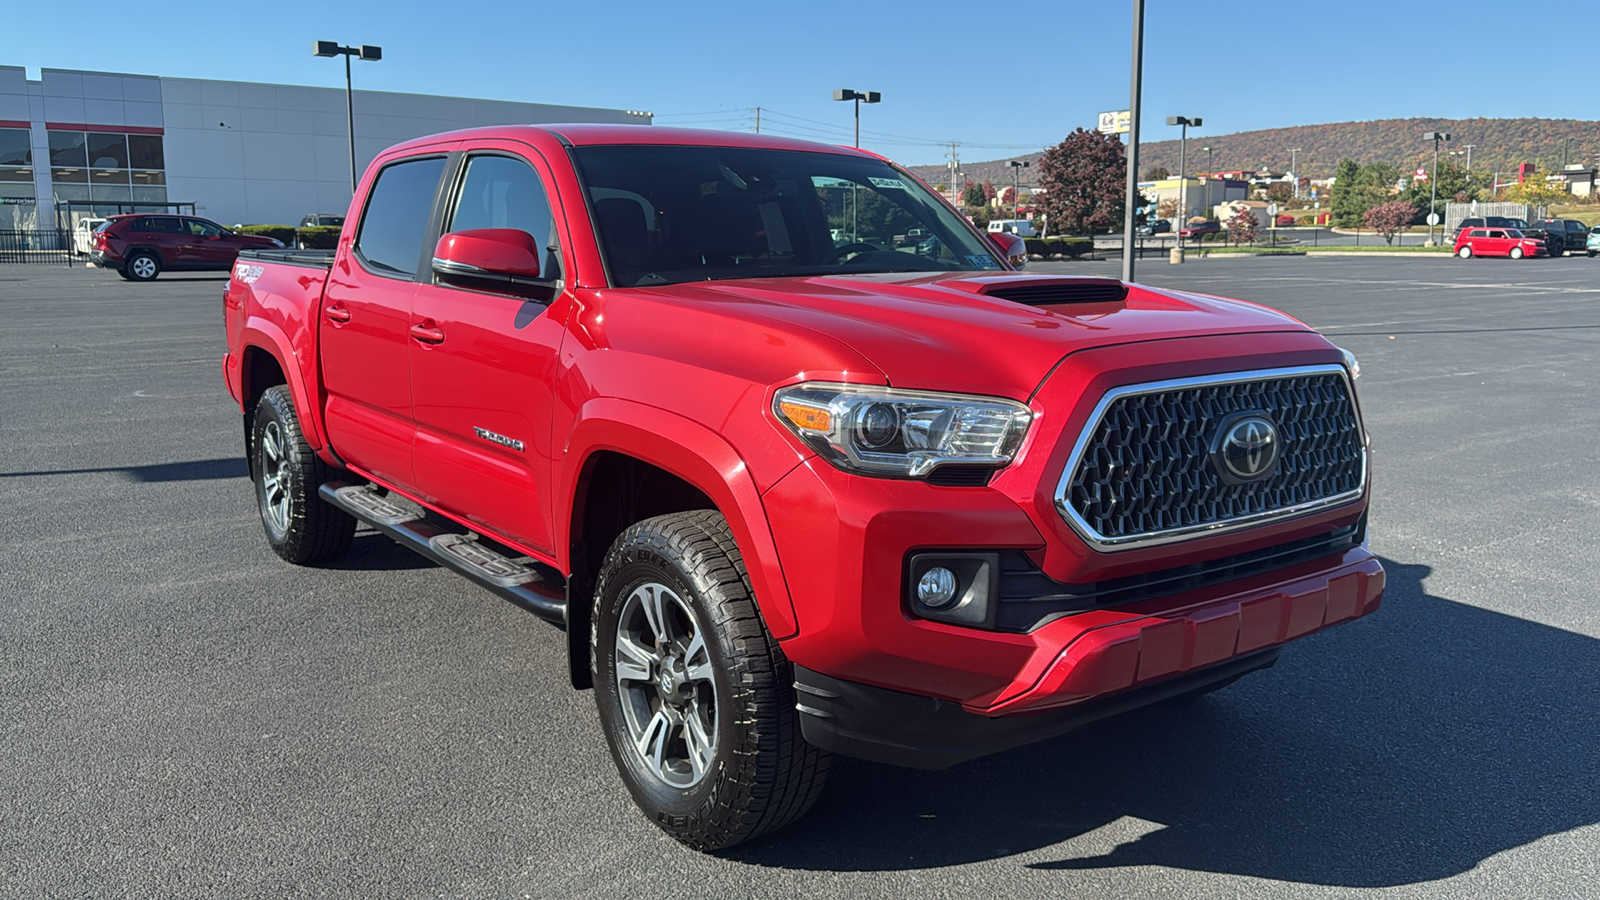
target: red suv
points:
(139, 247)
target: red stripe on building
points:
(10, 123)
(116, 129)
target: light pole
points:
(368, 52)
(1294, 169)
(1211, 175)
(1469, 156)
(1183, 179)
(1131, 199)
(1016, 187)
(859, 97)
(1437, 137)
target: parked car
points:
(1553, 237)
(317, 220)
(790, 498)
(1498, 242)
(1200, 229)
(1019, 227)
(1572, 233)
(1592, 242)
(1155, 226)
(140, 247)
(83, 235)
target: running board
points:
(523, 581)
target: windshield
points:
(669, 214)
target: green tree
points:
(1344, 199)
(1084, 177)
(1455, 184)
(972, 195)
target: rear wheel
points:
(301, 527)
(695, 698)
(1516, 252)
(1465, 252)
(142, 266)
(1592, 253)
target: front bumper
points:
(903, 729)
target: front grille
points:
(1029, 598)
(1142, 471)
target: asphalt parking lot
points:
(183, 715)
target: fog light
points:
(937, 587)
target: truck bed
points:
(316, 259)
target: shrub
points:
(320, 237)
(283, 233)
(1242, 227)
(1388, 218)
(1045, 248)
(1306, 220)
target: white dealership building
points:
(241, 152)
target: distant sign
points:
(1272, 209)
(1116, 122)
(1422, 174)
(18, 201)
(1433, 218)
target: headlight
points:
(1350, 364)
(905, 434)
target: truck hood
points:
(949, 333)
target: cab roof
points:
(591, 134)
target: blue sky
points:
(947, 71)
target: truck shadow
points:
(194, 470)
(1403, 748)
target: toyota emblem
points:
(1247, 449)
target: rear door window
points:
(396, 216)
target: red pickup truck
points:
(793, 487)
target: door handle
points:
(427, 333)
(337, 313)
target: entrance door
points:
(481, 381)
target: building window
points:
(108, 150)
(67, 149)
(15, 148)
(144, 151)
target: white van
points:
(1018, 227)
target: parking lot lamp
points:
(1016, 187)
(1294, 168)
(1130, 200)
(1183, 178)
(368, 52)
(1211, 175)
(859, 97)
(1438, 137)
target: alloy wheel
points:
(665, 681)
(276, 501)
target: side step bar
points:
(529, 584)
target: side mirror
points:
(1010, 247)
(503, 259)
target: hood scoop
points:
(1051, 291)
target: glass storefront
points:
(19, 208)
(110, 167)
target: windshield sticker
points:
(895, 183)
(823, 181)
(707, 188)
(981, 259)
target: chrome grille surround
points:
(1195, 458)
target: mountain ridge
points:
(1498, 145)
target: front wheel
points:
(1464, 253)
(1516, 252)
(695, 698)
(301, 527)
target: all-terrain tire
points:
(761, 773)
(301, 527)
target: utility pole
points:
(1131, 198)
(758, 120)
(954, 166)
(1469, 157)
(1294, 169)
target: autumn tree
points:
(1280, 192)
(972, 195)
(1242, 226)
(1084, 177)
(1388, 218)
(1156, 173)
(1536, 192)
